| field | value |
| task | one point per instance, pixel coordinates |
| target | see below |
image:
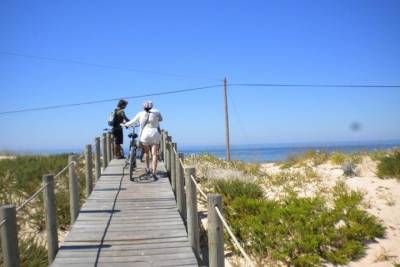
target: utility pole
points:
(228, 145)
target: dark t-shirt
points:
(120, 117)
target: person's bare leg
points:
(146, 150)
(154, 151)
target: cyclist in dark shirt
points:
(120, 117)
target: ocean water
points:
(275, 153)
(258, 153)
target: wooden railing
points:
(185, 187)
(183, 183)
(8, 213)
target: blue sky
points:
(330, 42)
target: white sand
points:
(6, 157)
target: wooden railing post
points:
(215, 232)
(49, 198)
(191, 205)
(89, 169)
(173, 167)
(9, 236)
(105, 152)
(97, 163)
(180, 187)
(112, 142)
(168, 157)
(161, 150)
(73, 188)
(109, 148)
(165, 147)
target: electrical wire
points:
(200, 88)
(109, 100)
(314, 85)
(104, 66)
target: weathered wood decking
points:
(126, 223)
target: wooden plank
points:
(78, 246)
(127, 223)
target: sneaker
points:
(155, 177)
(148, 171)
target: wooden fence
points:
(183, 183)
(8, 213)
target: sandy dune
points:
(382, 199)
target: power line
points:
(314, 85)
(108, 100)
(104, 66)
(200, 88)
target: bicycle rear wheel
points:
(132, 162)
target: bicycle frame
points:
(131, 159)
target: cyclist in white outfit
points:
(150, 135)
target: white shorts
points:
(150, 136)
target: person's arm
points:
(160, 118)
(133, 121)
(124, 116)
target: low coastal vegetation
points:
(298, 231)
(295, 216)
(20, 177)
(389, 166)
(316, 157)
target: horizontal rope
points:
(65, 168)
(32, 197)
(26, 202)
(198, 187)
(3, 222)
(183, 165)
(235, 241)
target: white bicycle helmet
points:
(148, 104)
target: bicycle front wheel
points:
(132, 162)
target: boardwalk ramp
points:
(126, 223)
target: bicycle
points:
(131, 159)
(108, 130)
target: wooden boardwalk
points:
(126, 223)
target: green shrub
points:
(246, 168)
(338, 158)
(31, 253)
(19, 179)
(377, 155)
(231, 189)
(389, 166)
(313, 156)
(299, 231)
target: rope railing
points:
(26, 202)
(234, 239)
(198, 187)
(9, 213)
(225, 224)
(31, 198)
(204, 195)
(65, 168)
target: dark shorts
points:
(118, 136)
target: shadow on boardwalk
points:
(126, 223)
